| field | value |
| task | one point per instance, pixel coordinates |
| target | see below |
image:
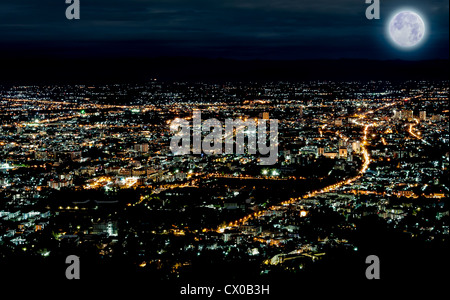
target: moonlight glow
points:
(406, 29)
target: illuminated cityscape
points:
(87, 170)
(264, 148)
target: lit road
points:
(249, 177)
(365, 165)
(416, 134)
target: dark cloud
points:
(280, 29)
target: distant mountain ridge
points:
(57, 70)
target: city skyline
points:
(361, 170)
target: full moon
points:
(407, 29)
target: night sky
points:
(237, 29)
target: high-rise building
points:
(436, 118)
(356, 146)
(407, 114)
(342, 152)
(143, 147)
(397, 114)
(423, 115)
(320, 151)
